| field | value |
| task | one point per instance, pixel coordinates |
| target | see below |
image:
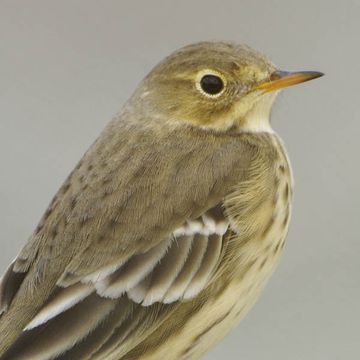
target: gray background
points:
(66, 67)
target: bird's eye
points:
(210, 83)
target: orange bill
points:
(281, 79)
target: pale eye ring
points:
(210, 83)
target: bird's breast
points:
(258, 210)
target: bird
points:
(165, 233)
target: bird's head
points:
(215, 85)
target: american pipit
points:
(166, 231)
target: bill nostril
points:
(276, 75)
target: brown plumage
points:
(164, 234)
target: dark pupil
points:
(211, 84)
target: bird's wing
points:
(118, 242)
(114, 304)
(177, 268)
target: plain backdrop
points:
(66, 67)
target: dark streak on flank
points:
(267, 227)
(286, 218)
(245, 269)
(219, 292)
(286, 193)
(239, 312)
(198, 337)
(282, 244)
(276, 249)
(262, 264)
